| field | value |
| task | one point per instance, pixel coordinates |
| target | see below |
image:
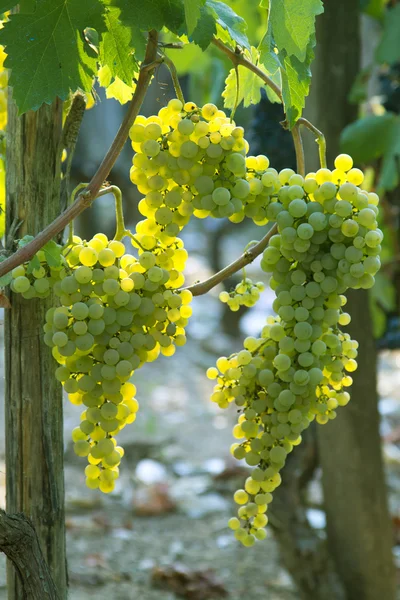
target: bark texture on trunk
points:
(19, 542)
(33, 414)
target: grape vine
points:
(117, 311)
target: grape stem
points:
(80, 186)
(237, 58)
(299, 150)
(119, 213)
(86, 196)
(174, 76)
(320, 139)
(121, 231)
(198, 289)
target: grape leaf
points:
(52, 253)
(138, 42)
(25, 6)
(388, 50)
(120, 91)
(115, 48)
(205, 29)
(192, 13)
(151, 14)
(33, 264)
(117, 89)
(229, 21)
(293, 24)
(24, 241)
(7, 5)
(296, 79)
(47, 52)
(5, 279)
(268, 57)
(250, 85)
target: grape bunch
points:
(36, 278)
(193, 161)
(299, 369)
(116, 313)
(246, 293)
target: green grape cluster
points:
(117, 312)
(193, 161)
(35, 279)
(298, 370)
(246, 293)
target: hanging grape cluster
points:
(299, 369)
(118, 311)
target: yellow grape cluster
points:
(328, 241)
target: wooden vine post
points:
(34, 414)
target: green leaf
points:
(388, 50)
(25, 6)
(47, 52)
(229, 21)
(115, 48)
(376, 137)
(120, 91)
(296, 79)
(192, 13)
(250, 85)
(7, 5)
(5, 279)
(293, 25)
(138, 42)
(265, 4)
(268, 57)
(33, 264)
(24, 241)
(367, 139)
(205, 29)
(116, 89)
(151, 14)
(52, 252)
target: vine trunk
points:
(34, 414)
